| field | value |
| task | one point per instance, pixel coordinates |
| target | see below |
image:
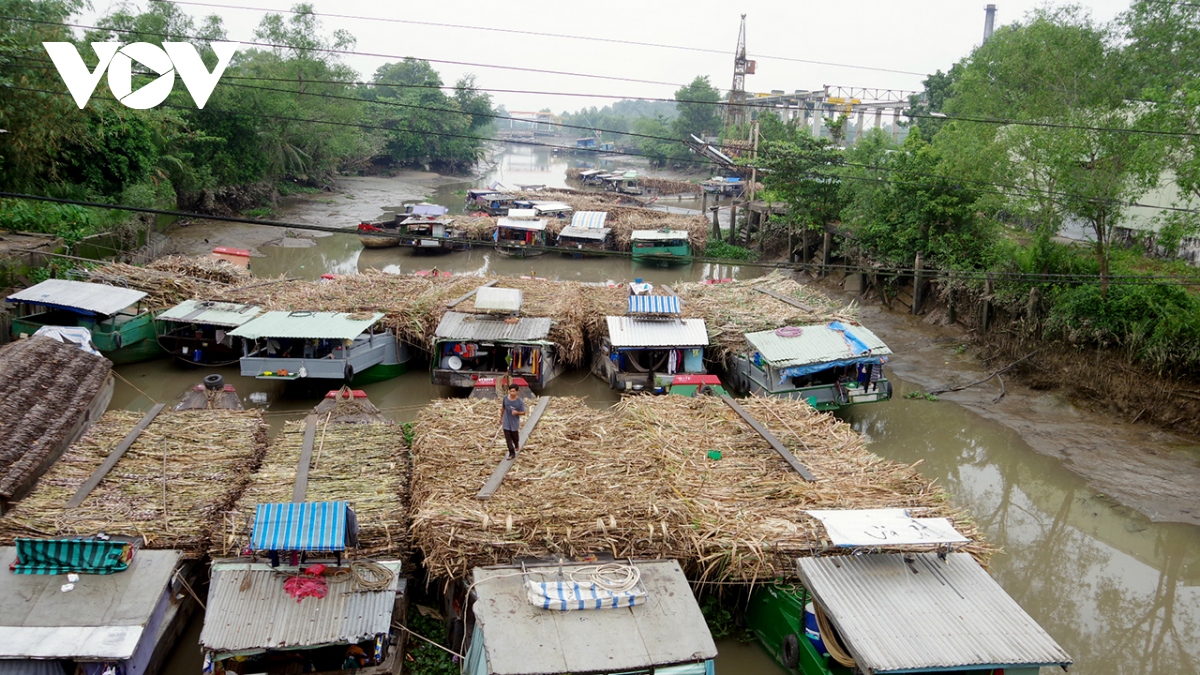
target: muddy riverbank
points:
(1152, 471)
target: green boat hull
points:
(130, 340)
(679, 255)
(776, 612)
(379, 373)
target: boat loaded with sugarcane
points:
(520, 234)
(197, 332)
(297, 345)
(662, 248)
(645, 349)
(586, 234)
(121, 329)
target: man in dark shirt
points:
(510, 420)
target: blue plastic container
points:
(811, 630)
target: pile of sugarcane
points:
(45, 388)
(732, 309)
(654, 477)
(172, 283)
(171, 487)
(365, 464)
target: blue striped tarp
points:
(589, 219)
(569, 595)
(304, 526)
(653, 304)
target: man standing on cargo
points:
(510, 420)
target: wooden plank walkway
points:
(113, 457)
(784, 298)
(493, 483)
(455, 301)
(310, 433)
(770, 438)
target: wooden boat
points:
(432, 235)
(120, 328)
(493, 342)
(915, 612)
(652, 626)
(495, 388)
(585, 234)
(381, 233)
(521, 234)
(290, 346)
(647, 348)
(830, 365)
(197, 331)
(211, 394)
(545, 209)
(697, 385)
(125, 615)
(491, 202)
(663, 247)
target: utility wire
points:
(510, 31)
(1132, 280)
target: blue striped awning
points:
(589, 219)
(653, 304)
(303, 526)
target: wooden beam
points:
(310, 433)
(113, 457)
(784, 298)
(490, 487)
(770, 438)
(670, 291)
(455, 301)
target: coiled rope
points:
(832, 645)
(612, 577)
(370, 576)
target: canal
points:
(1119, 592)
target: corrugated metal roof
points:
(211, 313)
(596, 233)
(264, 616)
(522, 639)
(425, 209)
(103, 618)
(521, 224)
(658, 235)
(458, 326)
(545, 207)
(653, 304)
(306, 325)
(626, 331)
(303, 526)
(522, 214)
(588, 219)
(815, 344)
(489, 299)
(79, 295)
(896, 616)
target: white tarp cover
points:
(70, 335)
(884, 527)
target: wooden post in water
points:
(716, 233)
(918, 277)
(733, 222)
(985, 320)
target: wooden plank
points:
(784, 298)
(670, 291)
(455, 301)
(489, 488)
(770, 438)
(310, 433)
(113, 457)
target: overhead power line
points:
(511, 31)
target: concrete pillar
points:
(858, 127)
(878, 117)
(818, 119)
(895, 124)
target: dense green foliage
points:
(424, 658)
(291, 112)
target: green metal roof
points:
(815, 344)
(307, 325)
(208, 313)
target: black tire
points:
(348, 373)
(789, 651)
(612, 379)
(214, 382)
(118, 341)
(887, 389)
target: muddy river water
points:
(1120, 592)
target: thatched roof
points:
(46, 386)
(636, 481)
(361, 462)
(171, 487)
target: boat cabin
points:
(577, 626)
(492, 203)
(645, 349)
(288, 617)
(197, 331)
(121, 329)
(122, 608)
(585, 143)
(289, 346)
(725, 186)
(494, 342)
(521, 233)
(425, 235)
(625, 183)
(552, 209)
(586, 233)
(697, 385)
(661, 247)
(829, 365)
(591, 177)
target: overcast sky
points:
(920, 36)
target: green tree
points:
(938, 88)
(699, 113)
(801, 170)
